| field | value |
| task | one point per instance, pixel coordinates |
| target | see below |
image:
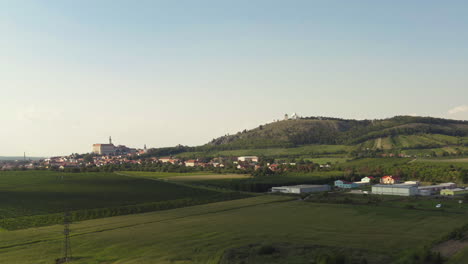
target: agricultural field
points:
(372, 162)
(184, 177)
(32, 198)
(195, 235)
(325, 160)
(298, 152)
(264, 183)
(419, 144)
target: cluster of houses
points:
(388, 185)
(73, 161)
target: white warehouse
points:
(395, 189)
(301, 188)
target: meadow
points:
(204, 233)
(34, 198)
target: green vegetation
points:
(461, 257)
(206, 233)
(340, 138)
(333, 131)
(264, 183)
(285, 253)
(297, 152)
(36, 198)
(413, 203)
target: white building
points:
(367, 179)
(248, 159)
(415, 183)
(104, 149)
(395, 189)
(301, 188)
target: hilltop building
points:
(104, 149)
(294, 116)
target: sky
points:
(162, 73)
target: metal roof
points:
(405, 186)
(302, 186)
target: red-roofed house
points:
(389, 180)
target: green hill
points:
(337, 138)
(396, 132)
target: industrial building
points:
(345, 184)
(395, 189)
(435, 189)
(453, 192)
(298, 189)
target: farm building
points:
(367, 179)
(395, 189)
(389, 180)
(301, 188)
(453, 192)
(435, 189)
(345, 184)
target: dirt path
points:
(451, 247)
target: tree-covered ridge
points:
(322, 130)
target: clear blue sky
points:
(168, 72)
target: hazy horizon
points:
(151, 72)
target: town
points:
(109, 154)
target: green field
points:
(304, 151)
(32, 198)
(460, 258)
(188, 177)
(201, 234)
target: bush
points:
(266, 250)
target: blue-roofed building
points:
(345, 184)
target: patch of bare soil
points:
(451, 247)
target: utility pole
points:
(67, 253)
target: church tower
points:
(110, 140)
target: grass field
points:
(460, 258)
(43, 194)
(384, 162)
(445, 160)
(188, 177)
(201, 234)
(304, 151)
(325, 160)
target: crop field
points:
(304, 151)
(185, 177)
(264, 183)
(416, 144)
(445, 160)
(325, 160)
(383, 162)
(32, 198)
(201, 234)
